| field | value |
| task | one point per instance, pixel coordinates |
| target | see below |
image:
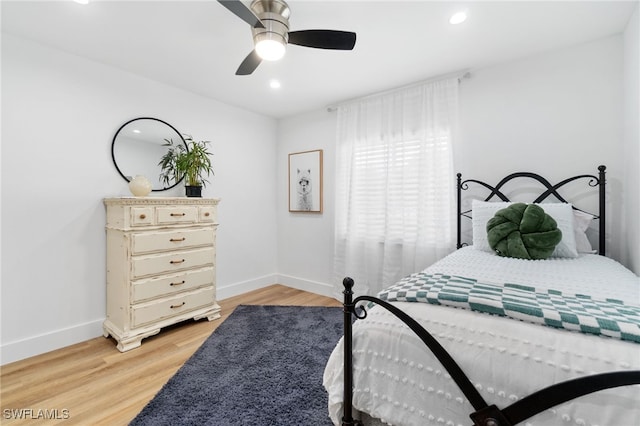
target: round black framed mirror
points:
(138, 146)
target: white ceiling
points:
(198, 45)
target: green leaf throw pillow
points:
(523, 231)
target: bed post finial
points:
(348, 283)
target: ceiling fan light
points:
(270, 50)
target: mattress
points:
(398, 380)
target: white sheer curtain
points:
(394, 184)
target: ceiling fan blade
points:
(243, 12)
(324, 39)
(249, 64)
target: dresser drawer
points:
(207, 214)
(141, 216)
(170, 240)
(165, 308)
(176, 214)
(142, 266)
(166, 285)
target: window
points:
(395, 184)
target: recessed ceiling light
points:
(458, 18)
(82, 1)
(274, 84)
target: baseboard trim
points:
(46, 342)
(316, 287)
(236, 289)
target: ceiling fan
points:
(269, 20)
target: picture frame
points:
(305, 181)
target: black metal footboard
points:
(484, 414)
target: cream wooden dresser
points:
(160, 265)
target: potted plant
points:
(193, 164)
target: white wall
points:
(558, 114)
(59, 115)
(305, 240)
(631, 250)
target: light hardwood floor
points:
(92, 383)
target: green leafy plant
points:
(193, 164)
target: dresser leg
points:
(127, 342)
(130, 344)
(213, 316)
(209, 314)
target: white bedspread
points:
(398, 380)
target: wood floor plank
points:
(93, 383)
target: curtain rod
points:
(460, 74)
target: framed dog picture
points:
(305, 181)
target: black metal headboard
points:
(593, 181)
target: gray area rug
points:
(263, 366)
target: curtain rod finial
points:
(465, 76)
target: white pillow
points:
(482, 211)
(581, 222)
(562, 213)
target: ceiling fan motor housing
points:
(274, 14)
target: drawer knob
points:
(207, 214)
(180, 283)
(177, 214)
(174, 262)
(177, 306)
(177, 240)
(143, 216)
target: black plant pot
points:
(193, 191)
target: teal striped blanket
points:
(577, 312)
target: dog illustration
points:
(305, 203)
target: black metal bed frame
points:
(485, 414)
(594, 181)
